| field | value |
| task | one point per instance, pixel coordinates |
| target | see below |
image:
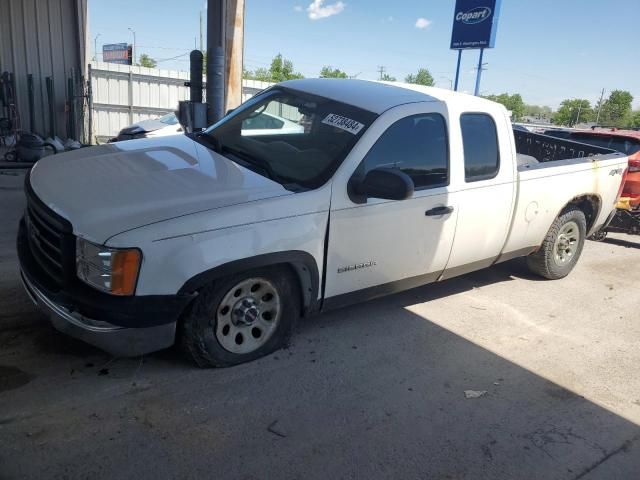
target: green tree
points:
(330, 72)
(280, 70)
(423, 77)
(572, 111)
(146, 61)
(537, 111)
(616, 110)
(635, 119)
(513, 103)
(388, 78)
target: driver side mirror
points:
(385, 183)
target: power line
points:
(173, 58)
(381, 71)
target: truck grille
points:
(50, 239)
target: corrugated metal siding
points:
(123, 94)
(44, 38)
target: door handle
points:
(437, 211)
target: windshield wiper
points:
(257, 161)
(211, 140)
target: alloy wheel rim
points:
(248, 315)
(566, 244)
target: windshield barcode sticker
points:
(343, 123)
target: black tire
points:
(200, 323)
(544, 262)
(599, 236)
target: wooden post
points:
(234, 47)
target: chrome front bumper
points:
(118, 341)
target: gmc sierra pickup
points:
(224, 238)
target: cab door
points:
(484, 188)
(379, 246)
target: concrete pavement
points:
(371, 391)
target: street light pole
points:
(450, 81)
(579, 109)
(133, 50)
(95, 48)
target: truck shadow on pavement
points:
(368, 391)
(635, 243)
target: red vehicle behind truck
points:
(627, 218)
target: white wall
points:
(124, 94)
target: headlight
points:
(112, 270)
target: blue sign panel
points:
(116, 53)
(474, 24)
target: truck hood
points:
(109, 189)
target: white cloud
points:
(318, 10)
(422, 23)
(298, 8)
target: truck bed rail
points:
(548, 149)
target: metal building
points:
(45, 38)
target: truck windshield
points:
(294, 138)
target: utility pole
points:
(201, 32)
(215, 59)
(95, 48)
(234, 46)
(599, 106)
(480, 69)
(579, 109)
(381, 70)
(133, 50)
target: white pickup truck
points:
(222, 240)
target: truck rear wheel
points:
(242, 317)
(561, 247)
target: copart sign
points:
(474, 24)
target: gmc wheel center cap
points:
(245, 312)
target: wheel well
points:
(589, 205)
(301, 264)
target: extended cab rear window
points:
(480, 143)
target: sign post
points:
(475, 23)
(458, 70)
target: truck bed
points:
(560, 170)
(544, 148)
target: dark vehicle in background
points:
(153, 127)
(627, 218)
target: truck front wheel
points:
(561, 247)
(242, 317)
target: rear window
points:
(480, 143)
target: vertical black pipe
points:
(90, 96)
(52, 110)
(215, 60)
(69, 108)
(195, 77)
(32, 121)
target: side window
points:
(416, 145)
(480, 142)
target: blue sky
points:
(547, 50)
